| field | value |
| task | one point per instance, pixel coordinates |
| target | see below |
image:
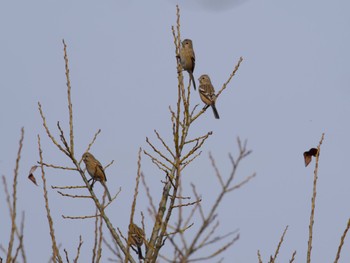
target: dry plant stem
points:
(187, 204)
(178, 230)
(55, 251)
(91, 216)
(49, 133)
(80, 217)
(100, 233)
(73, 196)
(158, 152)
(313, 202)
(293, 257)
(96, 237)
(217, 173)
(67, 257)
(179, 221)
(199, 205)
(259, 257)
(109, 246)
(204, 242)
(177, 251)
(159, 164)
(342, 242)
(187, 222)
(217, 252)
(164, 144)
(70, 107)
(197, 146)
(20, 236)
(279, 244)
(68, 187)
(78, 250)
(91, 143)
(163, 226)
(20, 247)
(14, 200)
(231, 76)
(133, 206)
(149, 196)
(59, 167)
(108, 165)
(19, 233)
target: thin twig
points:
(55, 251)
(49, 133)
(59, 167)
(70, 107)
(279, 244)
(342, 242)
(293, 256)
(90, 144)
(14, 200)
(259, 257)
(78, 249)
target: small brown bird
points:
(308, 155)
(188, 59)
(207, 93)
(95, 169)
(136, 238)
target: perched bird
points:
(207, 93)
(308, 155)
(188, 59)
(95, 169)
(136, 238)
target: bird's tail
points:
(139, 251)
(216, 114)
(192, 79)
(108, 194)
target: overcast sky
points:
(293, 85)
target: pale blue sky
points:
(293, 84)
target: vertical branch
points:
(20, 236)
(55, 252)
(177, 41)
(159, 225)
(70, 107)
(78, 250)
(14, 200)
(342, 242)
(133, 206)
(279, 245)
(100, 232)
(313, 202)
(95, 236)
(293, 257)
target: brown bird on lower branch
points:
(136, 238)
(96, 171)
